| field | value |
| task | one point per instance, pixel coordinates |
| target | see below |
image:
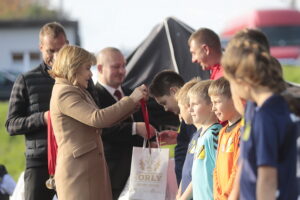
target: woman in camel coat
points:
(81, 171)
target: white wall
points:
(23, 40)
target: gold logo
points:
(148, 170)
(229, 147)
(149, 164)
(201, 154)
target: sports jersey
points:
(188, 163)
(226, 163)
(204, 163)
(269, 141)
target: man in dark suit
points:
(119, 139)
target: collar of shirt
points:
(112, 90)
(215, 66)
(216, 71)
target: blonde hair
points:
(200, 89)
(69, 60)
(249, 61)
(221, 87)
(181, 95)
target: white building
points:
(19, 43)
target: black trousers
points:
(4, 196)
(35, 187)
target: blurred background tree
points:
(28, 9)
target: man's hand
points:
(46, 117)
(167, 137)
(141, 130)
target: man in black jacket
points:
(119, 139)
(28, 111)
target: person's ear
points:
(173, 90)
(246, 86)
(40, 46)
(240, 81)
(205, 49)
(100, 68)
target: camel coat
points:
(81, 170)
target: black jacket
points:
(29, 100)
(118, 142)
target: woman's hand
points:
(139, 93)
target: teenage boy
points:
(228, 147)
(163, 89)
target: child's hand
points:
(178, 196)
(167, 137)
(153, 144)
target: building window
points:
(17, 57)
(34, 56)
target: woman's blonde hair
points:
(181, 95)
(249, 61)
(69, 59)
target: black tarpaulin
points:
(166, 47)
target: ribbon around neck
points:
(145, 116)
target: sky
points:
(126, 23)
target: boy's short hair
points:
(220, 86)
(201, 90)
(163, 81)
(182, 95)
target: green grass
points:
(171, 149)
(292, 73)
(11, 148)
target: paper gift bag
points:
(172, 186)
(148, 175)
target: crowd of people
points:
(237, 135)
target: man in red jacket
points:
(205, 47)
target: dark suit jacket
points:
(118, 142)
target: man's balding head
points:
(111, 67)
